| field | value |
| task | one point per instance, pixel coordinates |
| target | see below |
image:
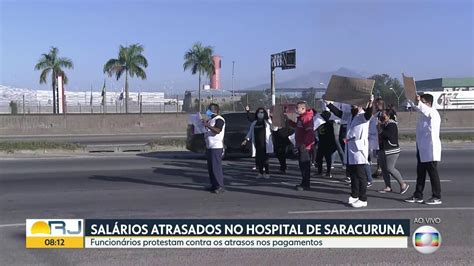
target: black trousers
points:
(358, 181)
(327, 154)
(432, 169)
(304, 161)
(261, 160)
(280, 152)
(214, 167)
(342, 135)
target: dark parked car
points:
(236, 128)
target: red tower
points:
(216, 77)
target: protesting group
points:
(357, 134)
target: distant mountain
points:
(312, 79)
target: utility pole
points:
(233, 101)
(272, 85)
(177, 104)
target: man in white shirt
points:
(428, 146)
(214, 136)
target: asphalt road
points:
(138, 139)
(170, 185)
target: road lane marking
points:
(11, 225)
(345, 183)
(378, 181)
(383, 210)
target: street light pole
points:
(398, 97)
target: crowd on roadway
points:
(361, 136)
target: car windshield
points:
(236, 121)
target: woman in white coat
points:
(428, 147)
(262, 144)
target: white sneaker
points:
(266, 176)
(359, 204)
(352, 200)
(259, 176)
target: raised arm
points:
(423, 109)
(369, 110)
(336, 111)
(250, 118)
(420, 107)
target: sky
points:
(423, 38)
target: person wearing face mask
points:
(356, 150)
(326, 143)
(389, 151)
(214, 136)
(304, 142)
(428, 146)
(379, 106)
(260, 133)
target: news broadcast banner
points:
(222, 233)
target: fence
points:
(37, 108)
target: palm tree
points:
(51, 63)
(130, 62)
(199, 60)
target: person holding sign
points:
(214, 136)
(428, 147)
(356, 150)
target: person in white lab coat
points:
(356, 150)
(262, 142)
(428, 146)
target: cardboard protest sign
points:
(279, 111)
(354, 91)
(278, 118)
(410, 87)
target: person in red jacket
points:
(304, 137)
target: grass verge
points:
(8, 146)
(170, 142)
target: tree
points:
(188, 105)
(13, 108)
(198, 59)
(51, 63)
(309, 97)
(390, 89)
(130, 62)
